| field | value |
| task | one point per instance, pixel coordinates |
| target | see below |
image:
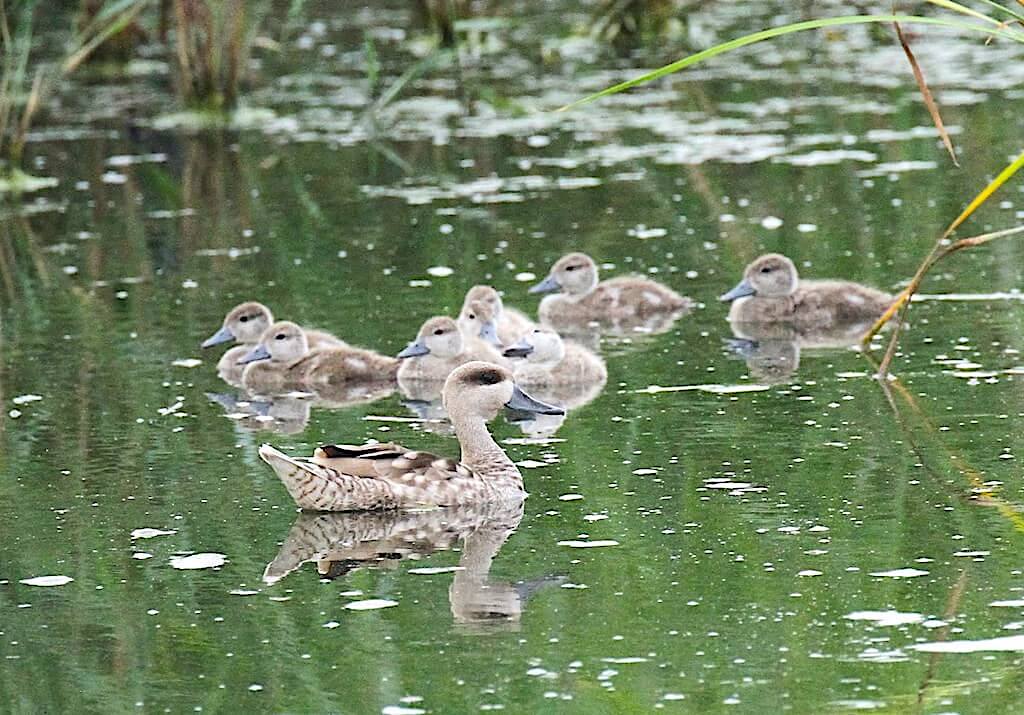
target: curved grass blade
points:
(998, 30)
(926, 94)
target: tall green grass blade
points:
(997, 31)
(964, 10)
(1003, 8)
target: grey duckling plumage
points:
(772, 291)
(439, 348)
(245, 324)
(545, 359)
(283, 360)
(387, 476)
(580, 298)
(484, 315)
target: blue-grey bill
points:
(413, 350)
(742, 290)
(519, 349)
(548, 285)
(257, 353)
(489, 332)
(521, 402)
(742, 346)
(221, 336)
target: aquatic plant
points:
(1008, 28)
(22, 92)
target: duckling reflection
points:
(340, 543)
(286, 414)
(772, 350)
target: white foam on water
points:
(370, 604)
(47, 581)
(206, 560)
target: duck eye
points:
(571, 268)
(244, 319)
(766, 269)
(280, 336)
(472, 316)
(439, 332)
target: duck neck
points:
(479, 450)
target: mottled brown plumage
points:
(387, 476)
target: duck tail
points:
(312, 486)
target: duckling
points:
(548, 360)
(581, 299)
(245, 324)
(439, 348)
(282, 360)
(386, 476)
(771, 291)
(509, 323)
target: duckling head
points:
(485, 294)
(439, 337)
(770, 276)
(281, 342)
(244, 323)
(480, 389)
(574, 273)
(540, 345)
(479, 319)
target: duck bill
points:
(742, 290)
(518, 350)
(521, 402)
(257, 353)
(414, 349)
(221, 336)
(548, 285)
(489, 333)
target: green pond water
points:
(793, 546)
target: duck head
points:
(770, 276)
(281, 342)
(480, 389)
(439, 337)
(574, 273)
(244, 323)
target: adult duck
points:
(387, 476)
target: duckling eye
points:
(439, 331)
(767, 269)
(571, 268)
(244, 319)
(472, 316)
(280, 336)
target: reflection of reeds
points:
(211, 49)
(979, 489)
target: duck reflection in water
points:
(340, 543)
(772, 350)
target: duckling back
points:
(825, 303)
(336, 365)
(613, 300)
(578, 366)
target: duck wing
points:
(375, 476)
